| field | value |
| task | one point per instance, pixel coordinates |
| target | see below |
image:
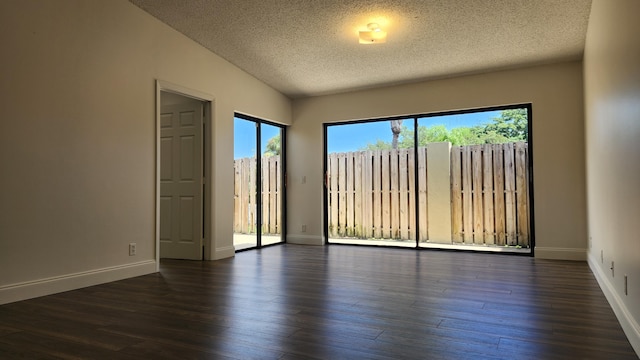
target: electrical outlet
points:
(304, 227)
(612, 271)
(132, 249)
(626, 289)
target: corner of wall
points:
(629, 324)
(553, 253)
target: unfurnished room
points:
(420, 179)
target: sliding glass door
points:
(461, 181)
(258, 183)
(370, 182)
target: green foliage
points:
(510, 126)
(273, 146)
(378, 145)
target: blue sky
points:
(244, 137)
(351, 137)
(342, 138)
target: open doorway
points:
(182, 228)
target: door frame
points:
(415, 118)
(283, 175)
(208, 102)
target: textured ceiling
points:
(310, 47)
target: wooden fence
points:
(490, 194)
(371, 194)
(245, 206)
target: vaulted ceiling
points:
(310, 47)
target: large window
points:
(461, 181)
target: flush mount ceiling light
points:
(374, 35)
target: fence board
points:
(237, 203)
(487, 167)
(333, 222)
(367, 194)
(509, 195)
(350, 195)
(251, 191)
(253, 196)
(522, 193)
(279, 186)
(358, 174)
(498, 183)
(410, 194)
(467, 197)
(386, 196)
(342, 196)
(246, 171)
(265, 195)
(273, 193)
(478, 224)
(395, 198)
(244, 200)
(241, 204)
(403, 182)
(456, 194)
(377, 194)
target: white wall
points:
(77, 139)
(612, 103)
(558, 143)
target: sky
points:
(244, 137)
(351, 137)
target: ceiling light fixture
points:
(375, 35)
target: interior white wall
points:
(612, 103)
(558, 143)
(77, 139)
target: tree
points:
(378, 145)
(273, 146)
(437, 133)
(465, 136)
(396, 129)
(512, 124)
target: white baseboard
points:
(629, 324)
(224, 252)
(553, 253)
(41, 287)
(305, 239)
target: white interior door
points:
(181, 175)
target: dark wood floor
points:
(334, 302)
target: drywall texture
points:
(77, 138)
(612, 103)
(558, 143)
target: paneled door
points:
(181, 176)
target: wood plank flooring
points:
(332, 302)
